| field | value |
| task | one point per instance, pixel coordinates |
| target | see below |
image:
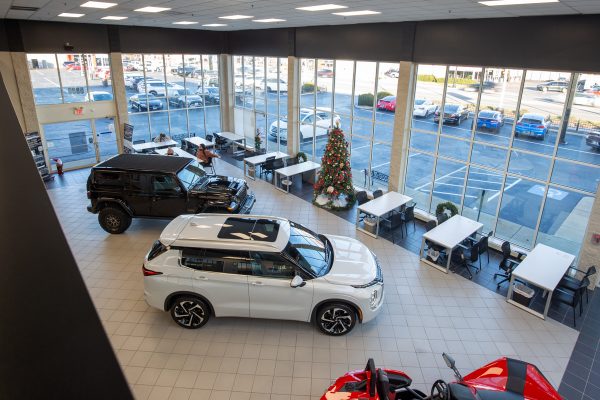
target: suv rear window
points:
(264, 230)
(108, 178)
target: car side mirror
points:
(449, 360)
(297, 282)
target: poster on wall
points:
(34, 141)
(127, 138)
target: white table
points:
(234, 138)
(449, 234)
(379, 207)
(543, 267)
(197, 141)
(261, 159)
(177, 150)
(153, 145)
(292, 170)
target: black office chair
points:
(465, 257)
(508, 263)
(209, 137)
(572, 283)
(441, 218)
(361, 198)
(571, 299)
(407, 216)
(209, 165)
(377, 193)
(291, 161)
(429, 225)
(268, 166)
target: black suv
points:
(136, 185)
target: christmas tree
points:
(334, 187)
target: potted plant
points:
(301, 156)
(257, 141)
(445, 210)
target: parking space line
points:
(505, 189)
(442, 177)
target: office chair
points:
(430, 245)
(408, 215)
(571, 299)
(209, 165)
(571, 283)
(465, 257)
(268, 166)
(377, 193)
(508, 263)
(361, 198)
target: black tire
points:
(336, 319)
(114, 220)
(190, 312)
(153, 92)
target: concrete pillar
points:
(293, 85)
(120, 96)
(7, 72)
(15, 74)
(401, 133)
(590, 249)
(226, 92)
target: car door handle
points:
(202, 277)
(257, 283)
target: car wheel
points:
(190, 312)
(336, 319)
(181, 104)
(544, 89)
(562, 90)
(114, 220)
(153, 92)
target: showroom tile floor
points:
(426, 312)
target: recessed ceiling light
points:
(214, 25)
(151, 9)
(70, 15)
(266, 20)
(322, 7)
(184, 23)
(98, 4)
(492, 3)
(236, 17)
(113, 17)
(356, 13)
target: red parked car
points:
(74, 67)
(388, 103)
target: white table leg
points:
(377, 227)
(510, 288)
(422, 247)
(448, 262)
(547, 307)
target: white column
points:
(293, 86)
(226, 92)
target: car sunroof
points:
(264, 230)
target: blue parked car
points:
(535, 125)
(492, 120)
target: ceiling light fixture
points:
(98, 4)
(151, 9)
(493, 3)
(267, 20)
(356, 13)
(70, 15)
(214, 25)
(184, 23)
(114, 18)
(322, 7)
(236, 16)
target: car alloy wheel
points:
(190, 312)
(336, 319)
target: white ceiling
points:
(206, 12)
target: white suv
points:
(311, 124)
(220, 265)
(159, 88)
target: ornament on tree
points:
(334, 187)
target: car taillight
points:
(149, 272)
(541, 126)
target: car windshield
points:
(192, 175)
(311, 251)
(419, 102)
(450, 108)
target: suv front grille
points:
(241, 195)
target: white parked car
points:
(98, 95)
(424, 108)
(271, 85)
(307, 119)
(219, 265)
(586, 99)
(159, 88)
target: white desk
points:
(543, 267)
(295, 170)
(260, 159)
(197, 141)
(153, 145)
(177, 150)
(234, 138)
(449, 234)
(381, 206)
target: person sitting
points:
(170, 152)
(161, 138)
(204, 155)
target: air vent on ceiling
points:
(24, 8)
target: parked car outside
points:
(392, 72)
(100, 96)
(129, 186)
(210, 95)
(185, 98)
(325, 73)
(388, 103)
(586, 99)
(143, 102)
(492, 120)
(554, 86)
(535, 125)
(474, 87)
(271, 85)
(453, 114)
(424, 108)
(159, 88)
(593, 139)
(261, 267)
(131, 81)
(73, 67)
(142, 81)
(189, 71)
(321, 120)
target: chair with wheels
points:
(377, 193)
(508, 263)
(209, 137)
(465, 257)
(268, 166)
(291, 161)
(408, 215)
(361, 198)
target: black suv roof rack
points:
(145, 162)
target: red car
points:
(74, 67)
(325, 73)
(388, 103)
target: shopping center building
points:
(486, 111)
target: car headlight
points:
(376, 296)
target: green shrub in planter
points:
(366, 99)
(308, 88)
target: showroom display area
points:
(424, 313)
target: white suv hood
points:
(353, 262)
